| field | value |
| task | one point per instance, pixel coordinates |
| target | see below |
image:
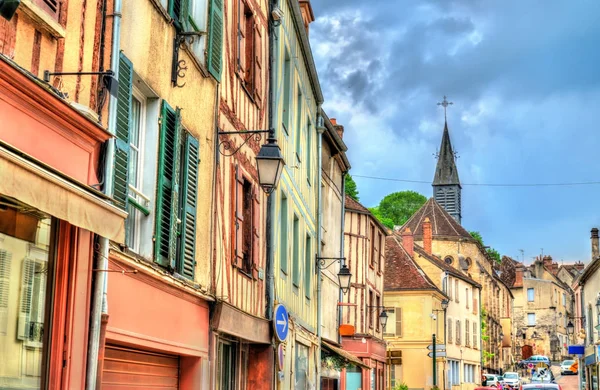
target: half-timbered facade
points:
(241, 334)
(364, 243)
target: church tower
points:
(446, 184)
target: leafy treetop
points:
(351, 188)
(493, 253)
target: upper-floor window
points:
(246, 227)
(377, 304)
(467, 333)
(370, 310)
(530, 319)
(172, 227)
(296, 251)
(475, 330)
(467, 297)
(283, 234)
(381, 246)
(456, 294)
(564, 299)
(458, 332)
(373, 259)
(308, 259)
(51, 7)
(530, 294)
(449, 331)
(287, 92)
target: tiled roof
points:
(351, 204)
(442, 223)
(445, 267)
(401, 272)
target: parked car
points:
(491, 380)
(535, 360)
(511, 379)
(565, 367)
(541, 386)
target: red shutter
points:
(257, 63)
(256, 228)
(239, 218)
(52, 7)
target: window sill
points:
(42, 19)
(246, 273)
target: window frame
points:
(529, 316)
(283, 233)
(530, 298)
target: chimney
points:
(595, 250)
(408, 242)
(307, 13)
(554, 268)
(339, 129)
(579, 266)
(548, 262)
(427, 236)
(518, 275)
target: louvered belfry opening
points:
(25, 278)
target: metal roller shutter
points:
(126, 368)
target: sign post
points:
(434, 364)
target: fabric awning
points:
(38, 187)
(344, 354)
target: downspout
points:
(99, 301)
(320, 130)
(480, 338)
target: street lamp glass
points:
(444, 304)
(269, 163)
(570, 328)
(344, 277)
(383, 317)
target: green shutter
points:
(175, 11)
(167, 194)
(308, 256)
(121, 165)
(189, 199)
(215, 38)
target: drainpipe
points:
(99, 301)
(320, 130)
(480, 339)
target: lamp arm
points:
(227, 145)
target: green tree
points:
(350, 187)
(400, 206)
(493, 253)
(385, 221)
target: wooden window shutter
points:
(5, 265)
(399, 322)
(189, 200)
(167, 194)
(52, 7)
(257, 63)
(256, 218)
(179, 11)
(238, 258)
(27, 280)
(449, 331)
(124, 102)
(215, 39)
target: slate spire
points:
(446, 184)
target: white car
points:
(491, 379)
(565, 367)
(512, 379)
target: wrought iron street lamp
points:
(383, 318)
(344, 276)
(570, 328)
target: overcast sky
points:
(524, 77)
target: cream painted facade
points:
(412, 334)
(463, 338)
(296, 99)
(496, 298)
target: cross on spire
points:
(445, 103)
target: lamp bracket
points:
(376, 307)
(47, 74)
(179, 67)
(227, 144)
(322, 261)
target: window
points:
(308, 151)
(475, 330)
(531, 319)
(467, 333)
(377, 304)
(283, 235)
(245, 222)
(215, 38)
(177, 184)
(26, 285)
(456, 290)
(469, 373)
(475, 305)
(197, 18)
(380, 247)
(226, 366)
(453, 372)
(564, 300)
(299, 130)
(458, 332)
(308, 256)
(467, 297)
(287, 92)
(449, 260)
(449, 287)
(52, 7)
(398, 322)
(370, 309)
(301, 366)
(530, 294)
(449, 331)
(372, 239)
(296, 252)
(249, 49)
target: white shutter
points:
(5, 263)
(27, 279)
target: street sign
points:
(438, 347)
(437, 354)
(280, 357)
(530, 365)
(281, 322)
(576, 349)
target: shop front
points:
(372, 352)
(50, 213)
(157, 330)
(591, 371)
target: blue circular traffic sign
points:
(281, 322)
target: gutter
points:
(99, 297)
(320, 130)
(342, 246)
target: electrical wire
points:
(583, 183)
